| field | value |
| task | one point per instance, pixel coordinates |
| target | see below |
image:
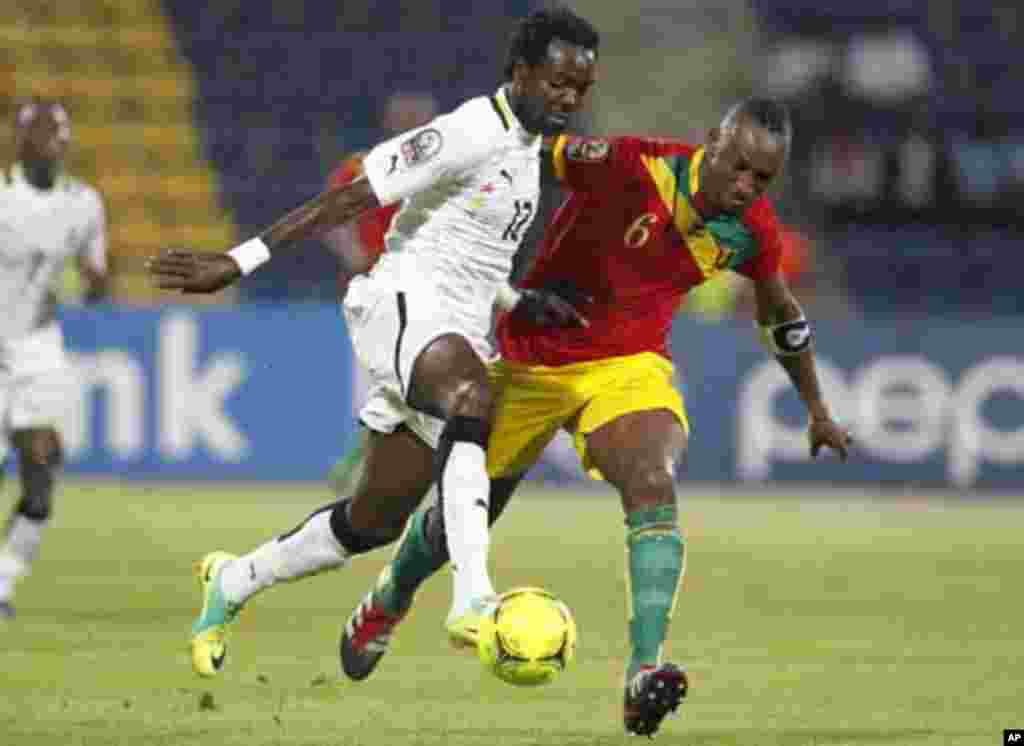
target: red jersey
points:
(630, 237)
(371, 225)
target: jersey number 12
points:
(524, 211)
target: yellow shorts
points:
(535, 401)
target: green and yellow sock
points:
(414, 561)
(656, 552)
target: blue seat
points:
(839, 16)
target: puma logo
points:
(796, 337)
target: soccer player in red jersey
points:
(646, 220)
(359, 244)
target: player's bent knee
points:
(650, 485)
(37, 490)
(472, 398)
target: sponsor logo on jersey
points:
(588, 151)
(421, 147)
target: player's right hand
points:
(826, 432)
(547, 307)
(193, 272)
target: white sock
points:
(466, 487)
(22, 546)
(24, 537)
(11, 568)
(309, 550)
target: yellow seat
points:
(116, 65)
(164, 137)
(138, 238)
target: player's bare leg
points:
(422, 551)
(450, 381)
(372, 517)
(637, 453)
(39, 457)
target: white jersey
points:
(39, 230)
(470, 182)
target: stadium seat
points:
(116, 65)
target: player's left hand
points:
(193, 272)
(829, 433)
(548, 308)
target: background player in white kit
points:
(46, 217)
(469, 182)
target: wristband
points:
(507, 297)
(250, 254)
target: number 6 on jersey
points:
(640, 230)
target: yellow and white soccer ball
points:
(529, 637)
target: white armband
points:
(507, 297)
(787, 338)
(250, 254)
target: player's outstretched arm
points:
(195, 272)
(786, 332)
(394, 170)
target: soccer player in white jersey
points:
(469, 182)
(46, 217)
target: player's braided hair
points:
(533, 34)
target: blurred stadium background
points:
(202, 122)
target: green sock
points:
(414, 561)
(348, 469)
(655, 549)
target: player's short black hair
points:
(768, 113)
(27, 110)
(533, 34)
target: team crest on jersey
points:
(588, 151)
(421, 147)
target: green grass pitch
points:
(802, 622)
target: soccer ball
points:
(528, 638)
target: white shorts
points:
(389, 328)
(36, 383)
